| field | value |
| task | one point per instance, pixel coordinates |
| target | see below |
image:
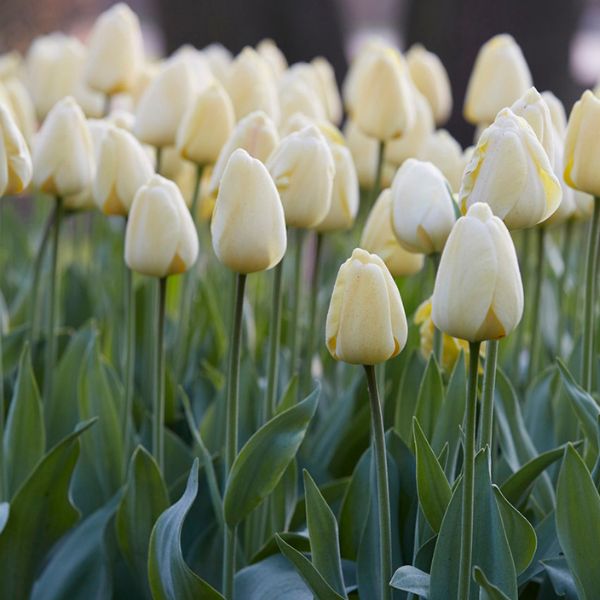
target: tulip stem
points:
(196, 196)
(562, 294)
(129, 298)
(486, 423)
(158, 434)
(590, 285)
(51, 338)
(294, 324)
(2, 409)
(383, 490)
(274, 343)
(378, 171)
(535, 306)
(468, 483)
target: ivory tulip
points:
(445, 153)
(330, 93)
(15, 160)
(295, 96)
(19, 103)
(273, 56)
(557, 113)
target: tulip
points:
(445, 153)
(500, 76)
(584, 205)
(273, 56)
(200, 65)
(248, 225)
(11, 64)
(15, 160)
(219, 59)
(567, 207)
(115, 51)
(329, 91)
(18, 101)
(296, 96)
(431, 79)
(378, 237)
(423, 211)
(557, 113)
(299, 121)
(510, 171)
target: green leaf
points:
(323, 535)
(33, 526)
(170, 576)
(547, 547)
(432, 486)
(307, 571)
(561, 578)
(4, 513)
(488, 590)
(25, 435)
(410, 579)
(289, 395)
(264, 458)
(284, 497)
(297, 540)
(578, 523)
(406, 399)
(431, 396)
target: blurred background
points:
(560, 38)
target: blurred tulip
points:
(296, 96)
(219, 58)
(299, 121)
(584, 205)
(330, 94)
(11, 64)
(478, 294)
(19, 102)
(15, 160)
(445, 153)
(557, 113)
(273, 56)
(366, 323)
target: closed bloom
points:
(115, 51)
(431, 79)
(273, 56)
(296, 96)
(557, 113)
(18, 101)
(15, 161)
(510, 171)
(63, 161)
(500, 76)
(366, 323)
(248, 225)
(378, 237)
(206, 126)
(330, 93)
(303, 170)
(478, 294)
(582, 145)
(423, 211)
(445, 153)
(161, 238)
(584, 205)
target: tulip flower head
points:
(557, 113)
(15, 96)
(329, 92)
(478, 294)
(15, 160)
(366, 323)
(273, 56)
(446, 154)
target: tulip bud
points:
(160, 238)
(330, 93)
(203, 76)
(219, 59)
(295, 96)
(303, 170)
(248, 225)
(62, 152)
(431, 79)
(273, 56)
(366, 323)
(500, 76)
(299, 121)
(445, 153)
(11, 64)
(557, 113)
(206, 126)
(21, 106)
(582, 145)
(510, 171)
(15, 161)
(584, 205)
(364, 153)
(115, 51)
(478, 294)
(378, 237)
(423, 211)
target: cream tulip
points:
(303, 170)
(248, 224)
(510, 171)
(445, 153)
(582, 145)
(63, 162)
(499, 77)
(366, 323)
(378, 237)
(330, 92)
(423, 210)
(299, 121)
(273, 56)
(206, 126)
(557, 113)
(364, 153)
(20, 105)
(295, 96)
(584, 205)
(160, 238)
(431, 79)
(115, 51)
(478, 294)
(11, 65)
(15, 160)
(219, 59)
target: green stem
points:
(294, 325)
(590, 284)
(196, 196)
(383, 490)
(486, 423)
(2, 409)
(51, 337)
(562, 293)
(158, 159)
(129, 372)
(378, 172)
(535, 306)
(274, 343)
(468, 483)
(158, 434)
(229, 561)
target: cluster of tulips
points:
(255, 147)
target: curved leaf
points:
(488, 590)
(413, 580)
(430, 398)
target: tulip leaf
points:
(413, 580)
(578, 522)
(561, 578)
(430, 398)
(4, 513)
(264, 458)
(297, 540)
(169, 575)
(489, 591)
(406, 399)
(284, 498)
(288, 399)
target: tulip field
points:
(263, 337)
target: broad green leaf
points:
(578, 523)
(289, 395)
(406, 399)
(410, 579)
(488, 590)
(170, 576)
(284, 498)
(323, 535)
(33, 527)
(547, 547)
(431, 396)
(561, 578)
(432, 485)
(264, 458)
(297, 540)
(25, 435)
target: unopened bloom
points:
(499, 77)
(18, 101)
(378, 237)
(303, 170)
(115, 51)
(557, 113)
(273, 56)
(431, 79)
(366, 323)
(330, 94)
(296, 96)
(510, 171)
(445, 153)
(15, 160)
(423, 210)
(63, 162)
(478, 294)
(248, 224)
(161, 238)
(582, 145)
